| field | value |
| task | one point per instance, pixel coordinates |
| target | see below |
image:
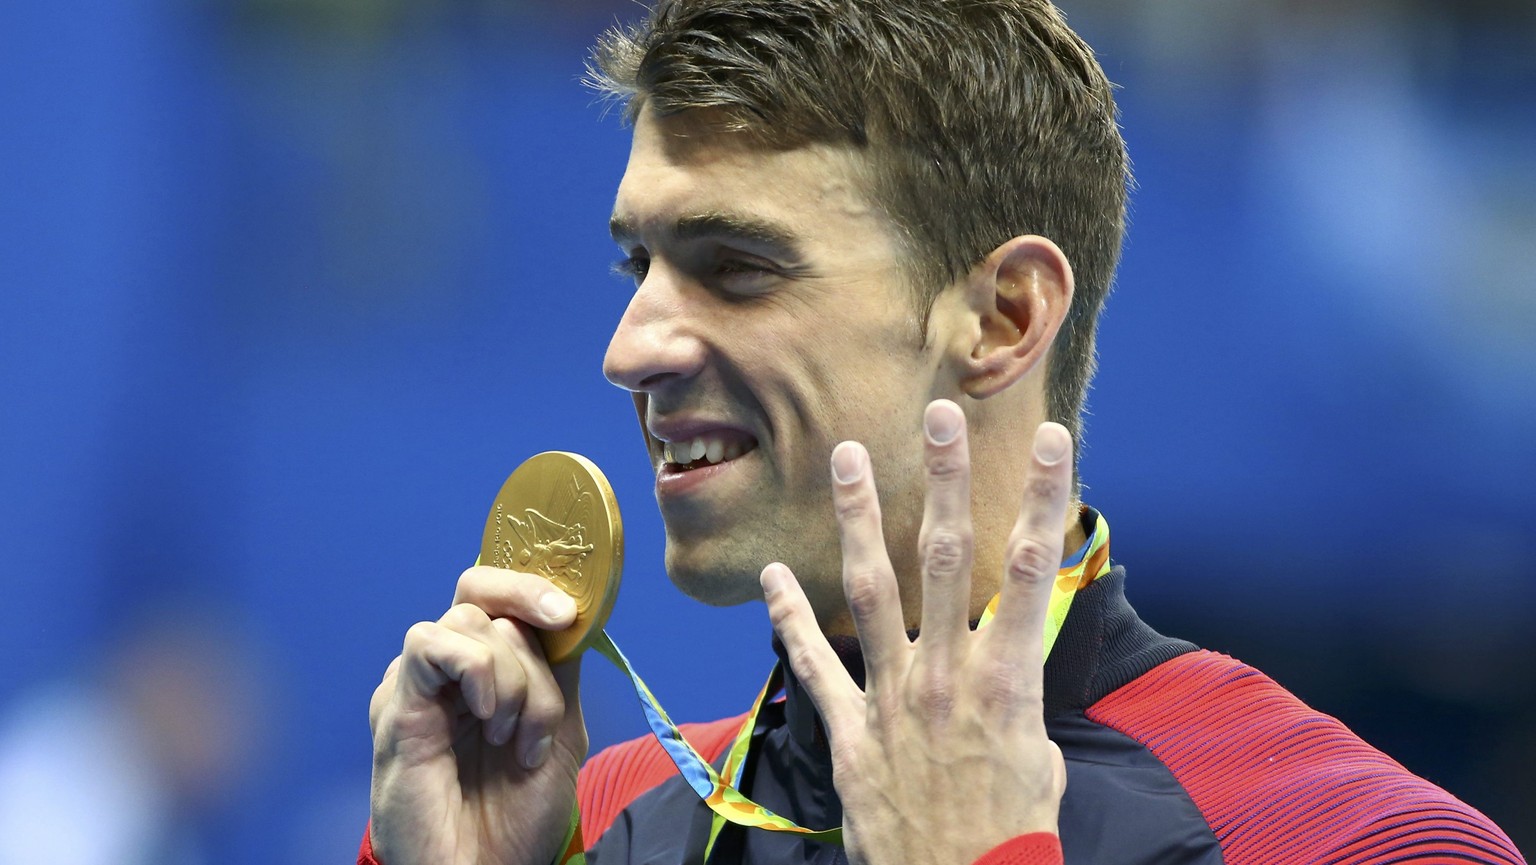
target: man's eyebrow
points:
(620, 229)
(703, 226)
(725, 225)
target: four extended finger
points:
(945, 540)
(810, 655)
(869, 584)
(1034, 552)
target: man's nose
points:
(657, 340)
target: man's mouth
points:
(712, 448)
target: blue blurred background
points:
(287, 287)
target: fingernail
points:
(772, 580)
(942, 421)
(538, 753)
(503, 734)
(557, 606)
(847, 462)
(1052, 443)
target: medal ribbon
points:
(723, 796)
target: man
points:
(877, 234)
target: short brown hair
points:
(981, 120)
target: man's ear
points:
(1019, 296)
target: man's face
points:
(771, 320)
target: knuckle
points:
(934, 697)
(492, 589)
(543, 707)
(850, 507)
(804, 664)
(1003, 688)
(780, 614)
(1043, 489)
(464, 618)
(863, 588)
(1030, 562)
(947, 465)
(467, 583)
(513, 633)
(419, 636)
(945, 552)
(855, 504)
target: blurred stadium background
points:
(288, 286)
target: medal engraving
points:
(556, 517)
(547, 547)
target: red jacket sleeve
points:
(1036, 848)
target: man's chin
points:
(712, 581)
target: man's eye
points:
(634, 267)
(744, 277)
(734, 266)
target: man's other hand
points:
(476, 740)
(943, 755)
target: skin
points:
(772, 298)
(810, 342)
(943, 754)
(476, 740)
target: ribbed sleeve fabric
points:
(1036, 848)
(621, 774)
(1282, 784)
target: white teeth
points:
(710, 449)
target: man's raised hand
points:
(943, 755)
(476, 739)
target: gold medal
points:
(557, 517)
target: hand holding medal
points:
(477, 726)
